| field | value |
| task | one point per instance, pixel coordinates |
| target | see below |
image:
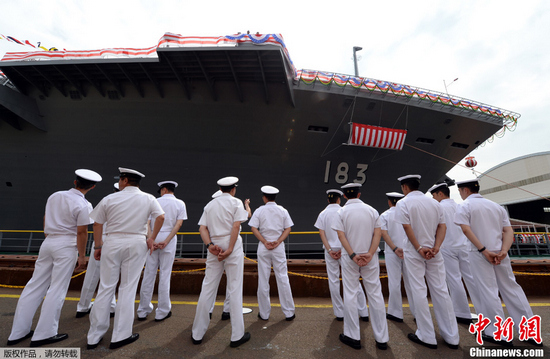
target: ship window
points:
(448, 136)
(476, 143)
(428, 141)
(321, 129)
(459, 145)
(9, 184)
(447, 121)
(113, 95)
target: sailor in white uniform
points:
(162, 258)
(359, 232)
(66, 223)
(333, 253)
(219, 228)
(395, 238)
(424, 223)
(89, 285)
(123, 254)
(271, 225)
(487, 226)
(455, 257)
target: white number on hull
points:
(341, 176)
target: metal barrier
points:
(299, 245)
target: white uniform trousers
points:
(433, 271)
(91, 280)
(234, 269)
(123, 255)
(276, 258)
(457, 268)
(163, 260)
(377, 308)
(494, 279)
(395, 267)
(51, 278)
(225, 302)
(333, 273)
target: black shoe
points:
(244, 339)
(394, 318)
(533, 342)
(355, 344)
(196, 342)
(340, 319)
(210, 314)
(413, 338)
(381, 346)
(83, 314)
(463, 320)
(452, 346)
(490, 339)
(365, 319)
(132, 338)
(93, 346)
(289, 319)
(259, 316)
(50, 340)
(112, 314)
(15, 341)
(226, 316)
(141, 319)
(166, 317)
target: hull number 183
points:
(344, 175)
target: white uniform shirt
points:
(220, 214)
(454, 237)
(486, 218)
(174, 210)
(65, 211)
(271, 220)
(324, 222)
(127, 211)
(358, 221)
(423, 214)
(394, 228)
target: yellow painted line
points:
(318, 306)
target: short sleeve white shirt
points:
(174, 210)
(454, 237)
(324, 222)
(358, 221)
(127, 211)
(486, 219)
(271, 220)
(394, 228)
(65, 211)
(424, 214)
(220, 214)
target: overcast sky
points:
(498, 50)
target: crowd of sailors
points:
(429, 242)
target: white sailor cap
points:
(395, 195)
(167, 183)
(88, 175)
(351, 185)
(269, 190)
(116, 186)
(228, 181)
(417, 177)
(467, 183)
(338, 192)
(217, 194)
(437, 186)
(129, 172)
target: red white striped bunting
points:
(378, 137)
